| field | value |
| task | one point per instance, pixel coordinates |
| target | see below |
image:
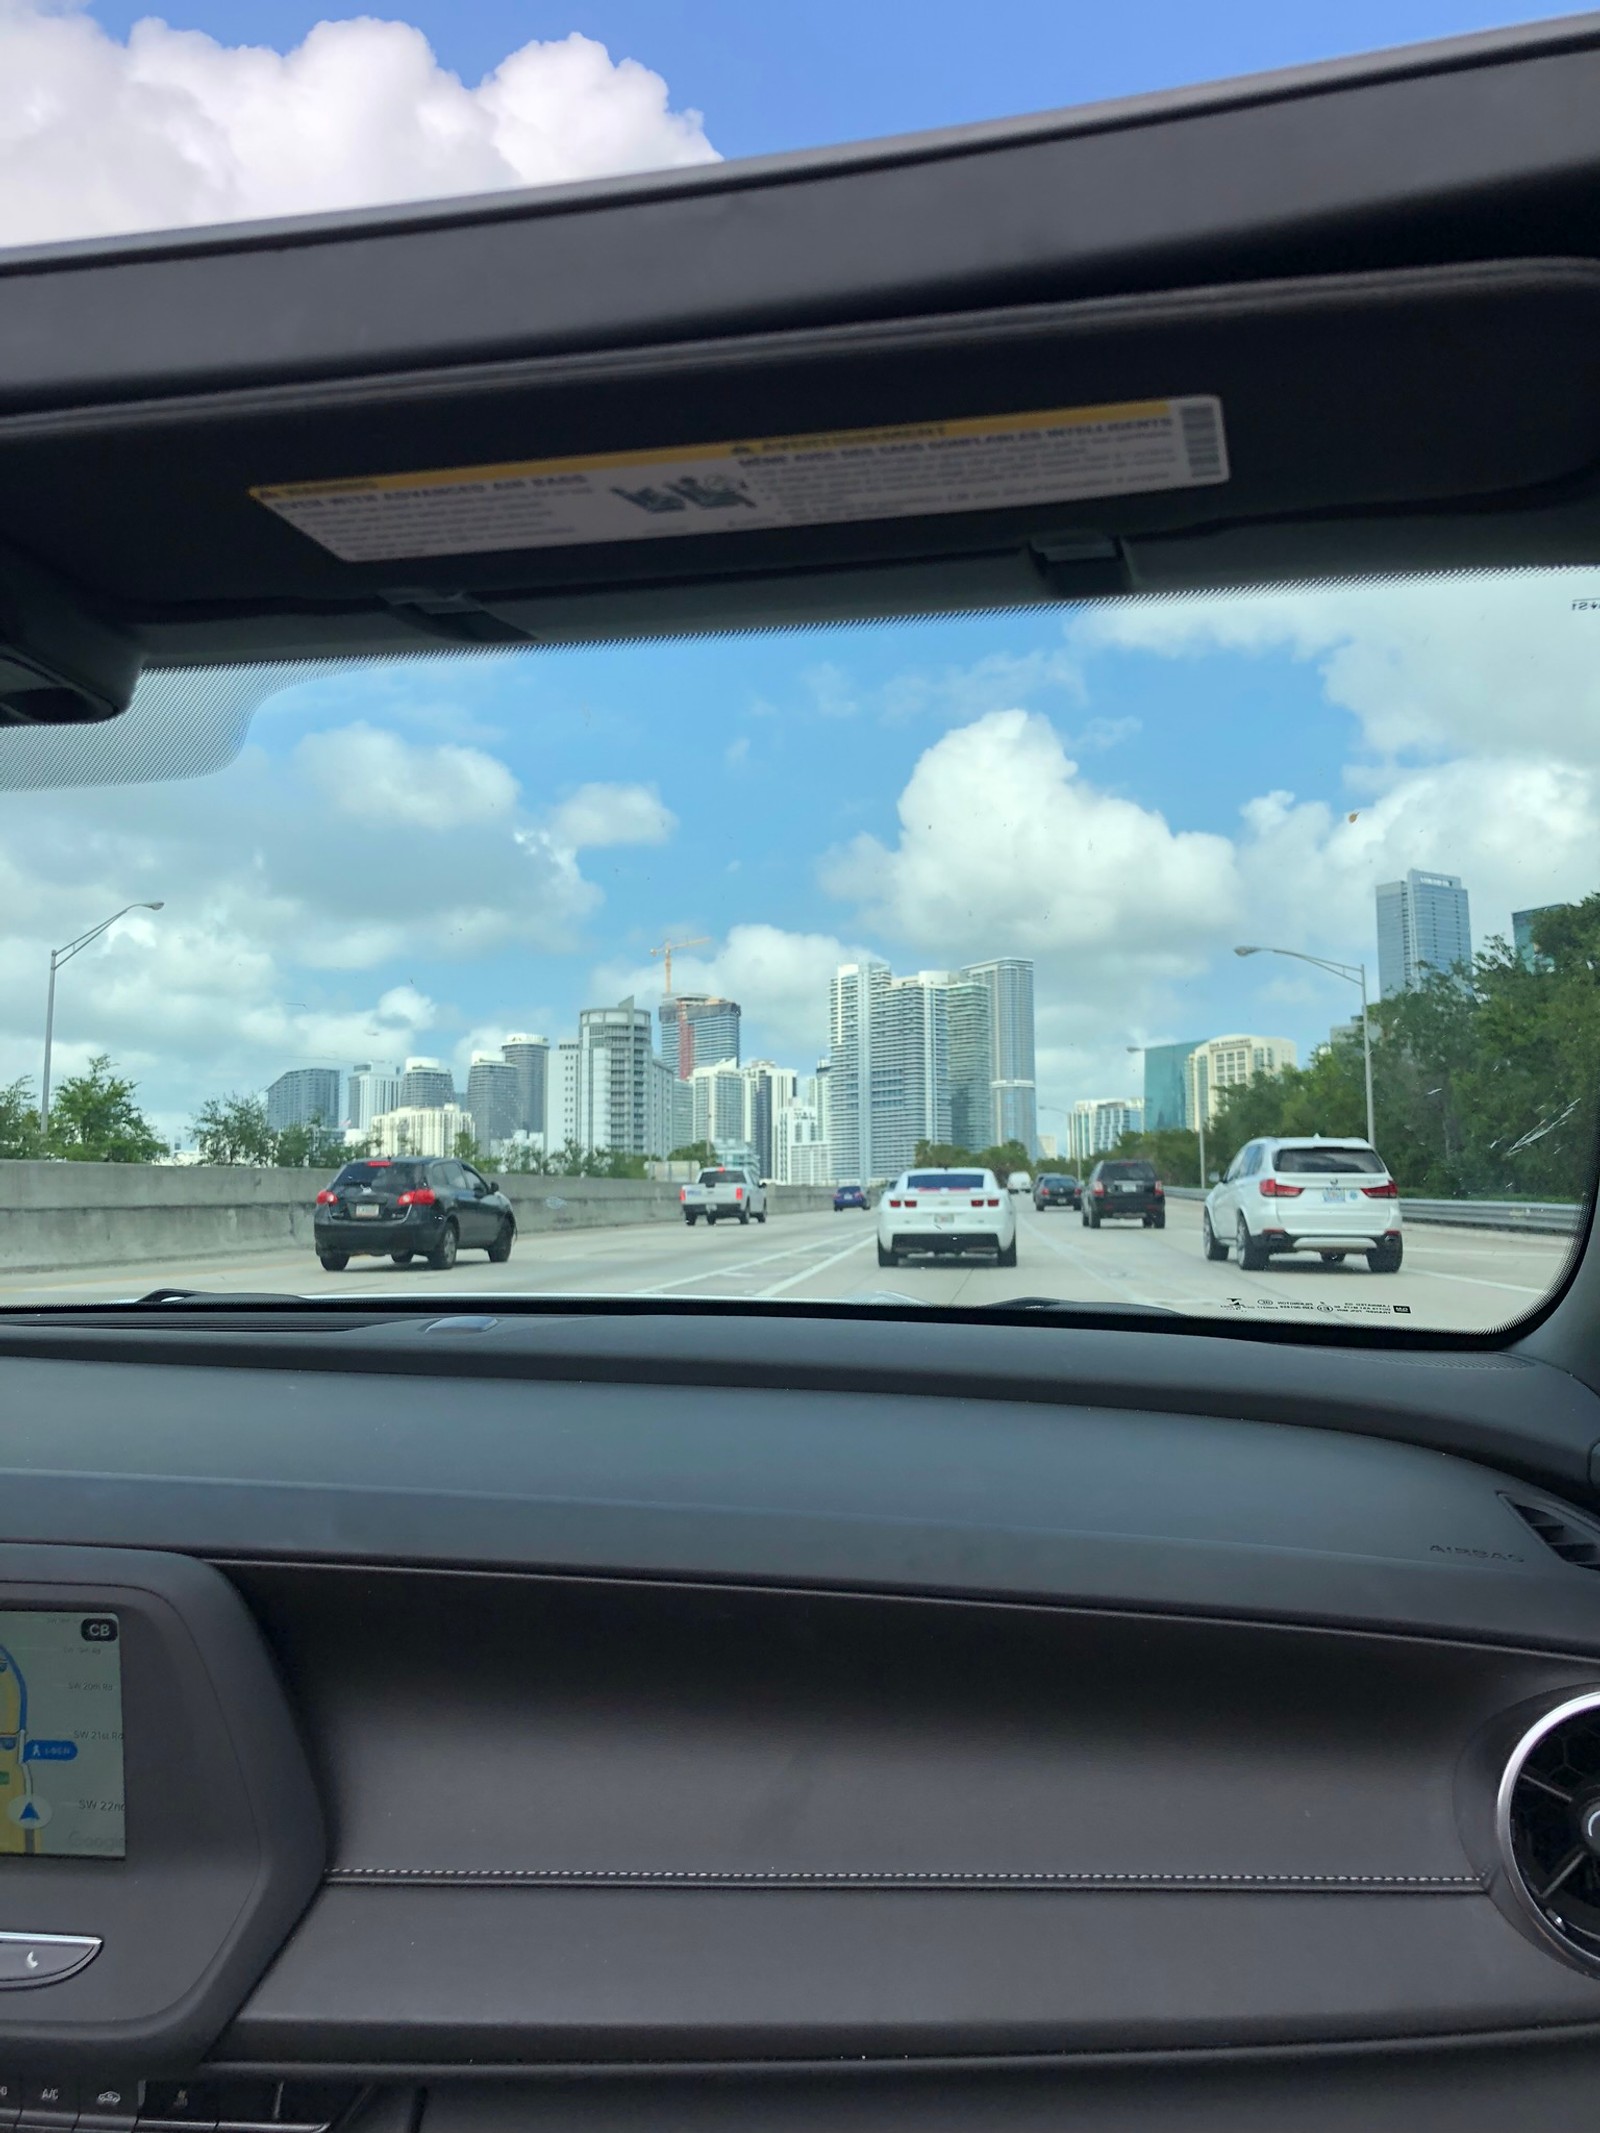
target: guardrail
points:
(1533, 1217)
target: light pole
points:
(1357, 974)
(58, 956)
(1200, 1119)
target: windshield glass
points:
(1325, 1160)
(1157, 881)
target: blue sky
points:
(423, 859)
(798, 73)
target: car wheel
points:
(401, 1258)
(1007, 1255)
(500, 1250)
(334, 1262)
(711, 1220)
(1093, 1218)
(762, 1216)
(1385, 1260)
(744, 1217)
(691, 1220)
(1210, 1244)
(1251, 1252)
(887, 1258)
(443, 1256)
(1158, 1222)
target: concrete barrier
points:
(55, 1216)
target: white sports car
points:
(946, 1211)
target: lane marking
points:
(822, 1266)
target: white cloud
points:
(1005, 848)
(597, 815)
(173, 128)
(1430, 665)
(377, 777)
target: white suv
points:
(1332, 1197)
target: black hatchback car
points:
(1053, 1189)
(403, 1208)
(1123, 1188)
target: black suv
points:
(402, 1208)
(1122, 1188)
(1054, 1190)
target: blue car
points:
(848, 1196)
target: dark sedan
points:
(402, 1209)
(1052, 1189)
(848, 1196)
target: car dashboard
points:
(688, 1724)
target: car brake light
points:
(738, 1192)
(424, 1196)
(1159, 1188)
(683, 1192)
(992, 1203)
(1388, 1190)
(1272, 1190)
(894, 1203)
(1099, 1188)
(326, 1199)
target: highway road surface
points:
(1464, 1280)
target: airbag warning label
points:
(825, 479)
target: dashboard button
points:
(43, 1958)
(52, 2106)
(108, 2106)
(185, 2106)
(10, 2099)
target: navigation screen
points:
(60, 1736)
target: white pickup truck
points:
(735, 1195)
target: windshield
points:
(1156, 884)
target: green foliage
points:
(466, 1150)
(1174, 1151)
(700, 1152)
(94, 1119)
(945, 1155)
(19, 1120)
(1484, 1081)
(234, 1130)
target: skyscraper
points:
(1522, 924)
(768, 1089)
(372, 1089)
(494, 1097)
(1424, 927)
(1223, 1063)
(719, 1104)
(621, 1103)
(305, 1096)
(698, 1029)
(1013, 1085)
(852, 1015)
(425, 1084)
(1099, 1122)
(1166, 1085)
(530, 1056)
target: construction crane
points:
(667, 948)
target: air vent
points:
(1562, 1536)
(1548, 1826)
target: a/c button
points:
(43, 1958)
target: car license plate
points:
(1335, 1192)
(371, 1208)
(1119, 1186)
(944, 1221)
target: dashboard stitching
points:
(898, 1877)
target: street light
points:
(1357, 974)
(1200, 1119)
(58, 956)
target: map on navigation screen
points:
(60, 1736)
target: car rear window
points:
(723, 1177)
(1320, 1162)
(384, 1177)
(945, 1181)
(1144, 1172)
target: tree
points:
(19, 1119)
(1174, 1151)
(700, 1152)
(233, 1130)
(312, 1146)
(466, 1150)
(94, 1119)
